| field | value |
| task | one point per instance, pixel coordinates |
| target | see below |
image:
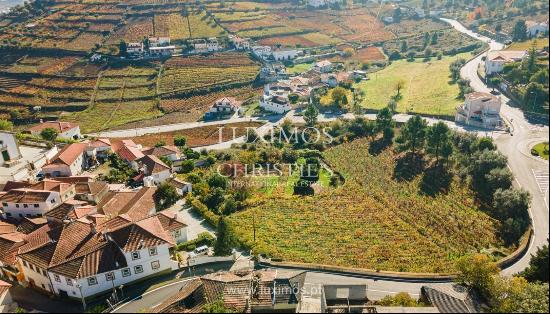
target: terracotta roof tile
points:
(29, 225)
(161, 151)
(70, 153)
(27, 196)
(57, 125)
(6, 227)
(153, 164)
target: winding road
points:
(531, 174)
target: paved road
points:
(528, 171)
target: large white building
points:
(496, 60)
(536, 28)
(480, 110)
(283, 54)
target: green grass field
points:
(526, 45)
(427, 89)
(542, 150)
(299, 68)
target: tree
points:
(349, 52)
(439, 142)
(517, 295)
(49, 134)
(477, 272)
(214, 199)
(218, 181)
(392, 104)
(511, 207)
(500, 178)
(538, 266)
(384, 119)
(339, 96)
(6, 125)
(399, 86)
(310, 115)
(216, 307)
(404, 46)
(413, 135)
(481, 164)
(532, 61)
(165, 196)
(122, 48)
(401, 299)
(519, 33)
(180, 141)
(187, 166)
(224, 239)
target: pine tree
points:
(224, 240)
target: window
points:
(69, 282)
(44, 273)
(56, 278)
(25, 263)
(5, 204)
(155, 265)
(36, 205)
(92, 281)
(126, 272)
(153, 251)
(17, 205)
(25, 205)
(52, 201)
(8, 214)
(135, 255)
(138, 269)
(21, 215)
(177, 233)
(110, 276)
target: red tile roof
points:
(25, 196)
(69, 154)
(130, 153)
(161, 151)
(4, 287)
(153, 164)
(6, 227)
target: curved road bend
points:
(531, 173)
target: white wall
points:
(163, 256)
(33, 273)
(70, 134)
(19, 212)
(162, 176)
(8, 141)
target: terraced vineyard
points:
(373, 221)
(184, 75)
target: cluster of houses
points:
(152, 47)
(67, 234)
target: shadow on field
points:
(436, 180)
(407, 167)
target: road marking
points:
(542, 178)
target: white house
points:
(322, 3)
(20, 203)
(263, 52)
(200, 45)
(480, 109)
(65, 130)
(240, 43)
(535, 28)
(283, 54)
(182, 187)
(171, 153)
(495, 60)
(275, 99)
(102, 146)
(388, 19)
(95, 258)
(152, 166)
(9, 149)
(173, 222)
(135, 48)
(324, 66)
(159, 41)
(212, 45)
(225, 105)
(162, 51)
(70, 161)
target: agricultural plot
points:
(372, 221)
(196, 137)
(227, 17)
(135, 30)
(427, 89)
(106, 115)
(407, 28)
(365, 28)
(201, 103)
(203, 26)
(306, 40)
(43, 65)
(184, 75)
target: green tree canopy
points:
(165, 196)
(49, 134)
(224, 239)
(413, 135)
